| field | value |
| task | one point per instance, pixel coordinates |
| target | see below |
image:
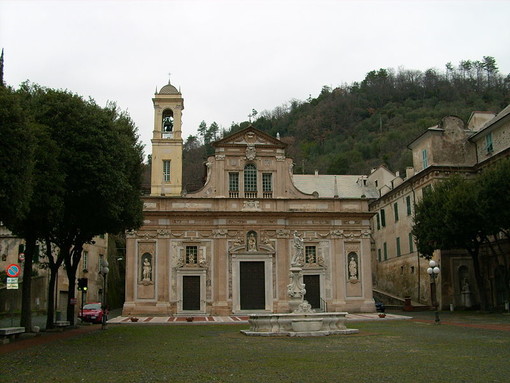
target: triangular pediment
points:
(250, 136)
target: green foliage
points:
(494, 197)
(443, 221)
(379, 116)
(116, 257)
(94, 157)
(16, 157)
(86, 168)
(465, 213)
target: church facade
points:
(227, 248)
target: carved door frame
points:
(237, 258)
(191, 272)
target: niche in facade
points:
(353, 266)
(146, 271)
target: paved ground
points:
(233, 319)
(497, 322)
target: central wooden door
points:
(313, 290)
(191, 292)
(252, 285)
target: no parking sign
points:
(13, 270)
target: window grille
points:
(233, 185)
(250, 181)
(85, 260)
(267, 185)
(191, 255)
(310, 254)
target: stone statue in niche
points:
(297, 258)
(146, 267)
(466, 294)
(252, 241)
(353, 266)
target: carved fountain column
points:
(296, 288)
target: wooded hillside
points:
(353, 128)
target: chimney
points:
(409, 172)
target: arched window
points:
(250, 181)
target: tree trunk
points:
(71, 261)
(26, 295)
(50, 311)
(71, 276)
(54, 267)
(498, 257)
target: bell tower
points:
(166, 169)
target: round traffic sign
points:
(13, 270)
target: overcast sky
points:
(229, 57)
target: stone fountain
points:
(302, 320)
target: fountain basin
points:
(306, 324)
(298, 324)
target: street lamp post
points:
(434, 271)
(104, 272)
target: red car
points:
(92, 312)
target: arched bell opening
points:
(168, 123)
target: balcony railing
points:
(251, 194)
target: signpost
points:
(12, 271)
